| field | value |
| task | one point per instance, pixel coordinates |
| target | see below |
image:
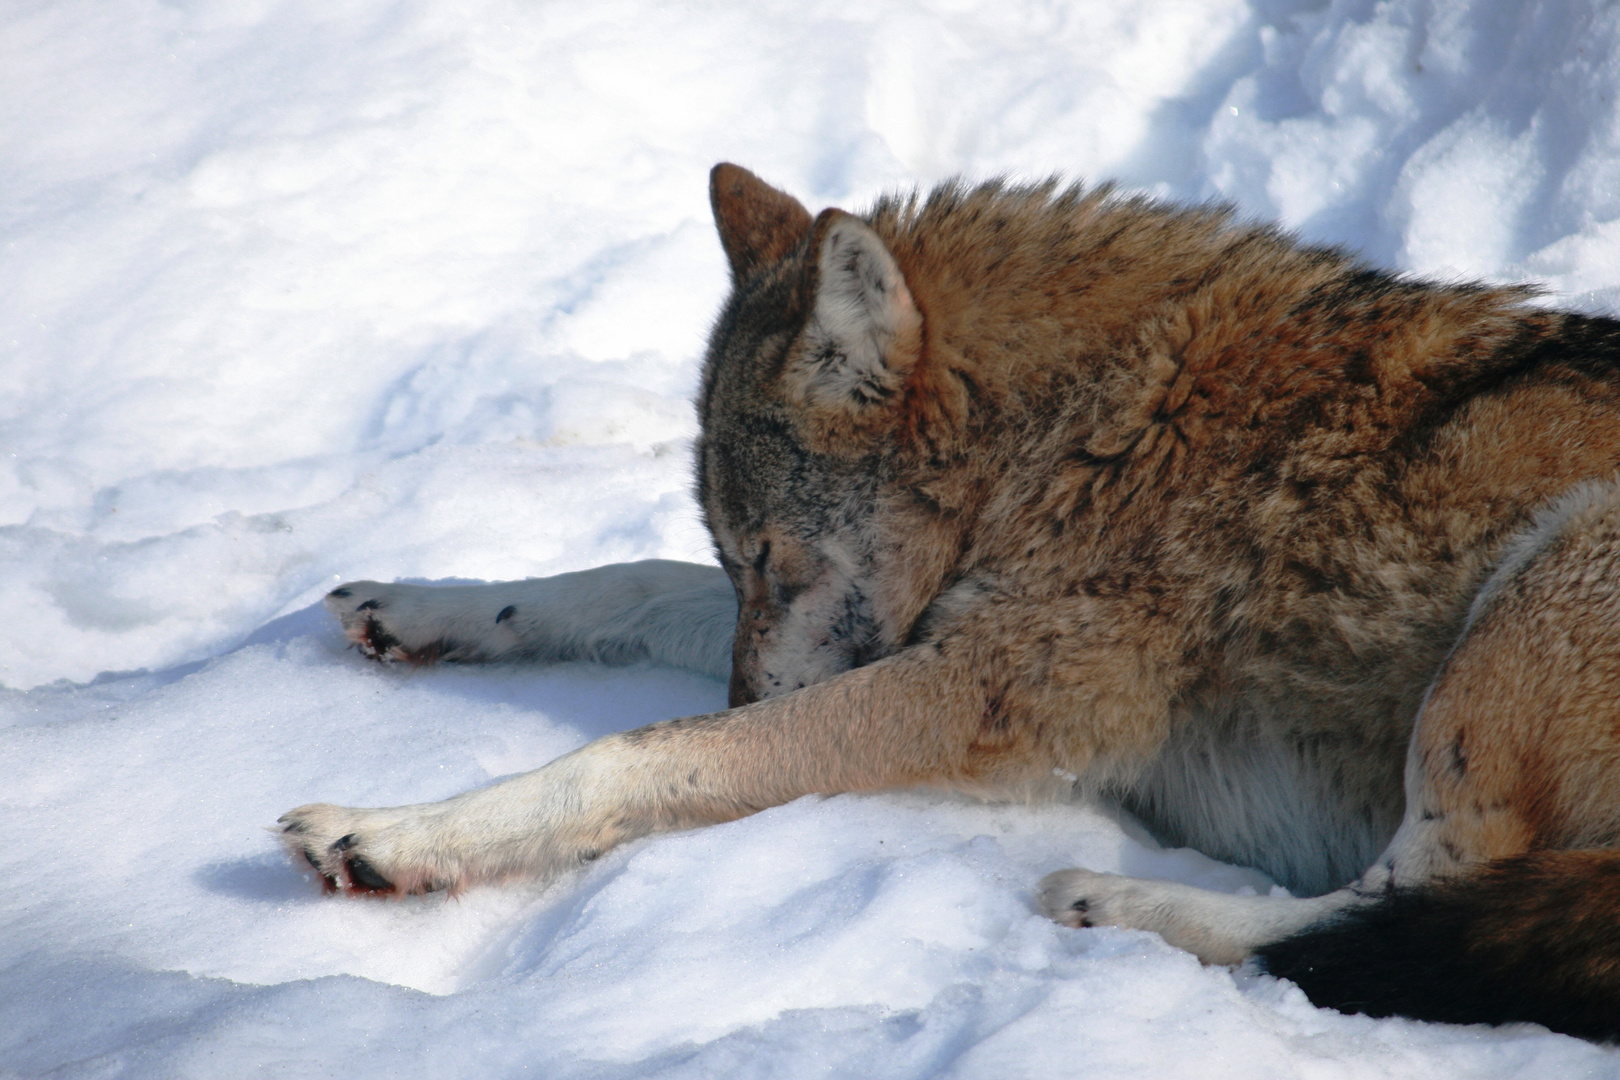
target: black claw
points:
(506, 613)
(364, 875)
(1080, 905)
(328, 882)
(297, 828)
(341, 593)
(344, 843)
(369, 605)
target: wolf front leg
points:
(673, 613)
(911, 719)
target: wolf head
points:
(798, 463)
(899, 407)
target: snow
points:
(296, 292)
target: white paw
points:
(421, 624)
(1218, 928)
(368, 852)
(1085, 898)
(534, 826)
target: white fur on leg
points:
(1218, 928)
(535, 825)
(678, 614)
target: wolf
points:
(1052, 489)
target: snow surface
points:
(295, 291)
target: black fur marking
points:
(364, 875)
(340, 593)
(1459, 757)
(1532, 938)
(378, 639)
(369, 605)
(506, 613)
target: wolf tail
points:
(1534, 937)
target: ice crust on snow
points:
(295, 292)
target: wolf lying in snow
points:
(1314, 568)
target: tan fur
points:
(1518, 748)
(1010, 480)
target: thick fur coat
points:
(1314, 567)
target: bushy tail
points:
(1535, 937)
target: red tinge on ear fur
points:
(758, 224)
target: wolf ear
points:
(758, 224)
(864, 334)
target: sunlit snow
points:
(301, 291)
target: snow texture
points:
(297, 291)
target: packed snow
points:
(302, 291)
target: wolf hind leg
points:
(1497, 899)
(1218, 928)
(1516, 749)
(676, 614)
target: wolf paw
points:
(1085, 898)
(363, 852)
(1215, 927)
(412, 624)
